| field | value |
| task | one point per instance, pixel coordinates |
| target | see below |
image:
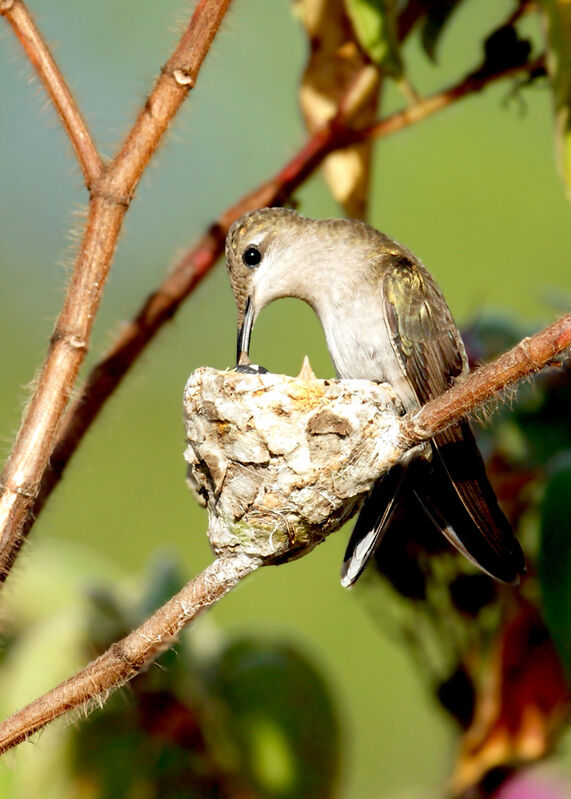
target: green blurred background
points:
(473, 191)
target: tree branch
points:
(257, 517)
(124, 659)
(177, 77)
(529, 356)
(163, 304)
(53, 81)
(109, 200)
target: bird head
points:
(263, 249)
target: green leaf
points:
(557, 18)
(542, 415)
(375, 26)
(555, 557)
(281, 713)
(438, 15)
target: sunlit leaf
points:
(557, 19)
(555, 557)
(338, 71)
(375, 24)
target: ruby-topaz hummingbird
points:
(386, 320)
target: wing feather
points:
(432, 355)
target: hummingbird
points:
(386, 320)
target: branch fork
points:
(111, 188)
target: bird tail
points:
(459, 499)
(453, 489)
(372, 523)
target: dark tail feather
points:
(371, 524)
(458, 497)
(454, 491)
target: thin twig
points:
(472, 84)
(162, 305)
(109, 200)
(124, 659)
(60, 94)
(527, 357)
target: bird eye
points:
(251, 256)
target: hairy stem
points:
(53, 81)
(124, 659)
(527, 357)
(472, 84)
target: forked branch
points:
(110, 196)
(28, 479)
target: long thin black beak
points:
(245, 331)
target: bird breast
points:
(360, 345)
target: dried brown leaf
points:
(338, 71)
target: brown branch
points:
(53, 81)
(162, 305)
(109, 200)
(529, 356)
(124, 659)
(472, 84)
(177, 77)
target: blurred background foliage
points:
(475, 193)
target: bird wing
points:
(455, 490)
(459, 498)
(428, 345)
(422, 331)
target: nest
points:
(281, 462)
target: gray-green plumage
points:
(384, 319)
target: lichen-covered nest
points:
(281, 462)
